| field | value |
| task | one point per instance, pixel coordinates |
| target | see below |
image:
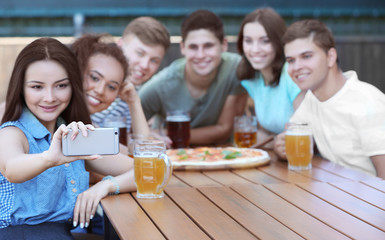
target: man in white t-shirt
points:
(347, 116)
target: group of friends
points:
(291, 74)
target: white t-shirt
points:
(349, 127)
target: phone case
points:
(102, 141)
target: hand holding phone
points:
(101, 141)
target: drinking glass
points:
(299, 146)
(152, 168)
(245, 131)
(131, 139)
(178, 128)
(118, 122)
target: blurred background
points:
(358, 25)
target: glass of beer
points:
(152, 168)
(299, 146)
(118, 122)
(245, 131)
(131, 139)
(178, 128)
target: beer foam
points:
(147, 154)
(178, 118)
(304, 133)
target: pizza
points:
(206, 158)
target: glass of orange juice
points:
(152, 168)
(299, 146)
(245, 131)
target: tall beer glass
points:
(299, 146)
(152, 168)
(178, 128)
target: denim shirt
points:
(48, 197)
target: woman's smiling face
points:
(257, 46)
(47, 91)
(102, 80)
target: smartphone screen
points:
(102, 141)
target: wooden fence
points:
(366, 55)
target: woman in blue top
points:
(263, 72)
(42, 192)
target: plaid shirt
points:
(117, 108)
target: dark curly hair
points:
(91, 44)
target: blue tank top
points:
(273, 105)
(48, 197)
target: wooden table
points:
(269, 202)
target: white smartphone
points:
(102, 141)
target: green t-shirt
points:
(167, 91)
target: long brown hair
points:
(46, 49)
(275, 27)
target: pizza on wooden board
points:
(205, 158)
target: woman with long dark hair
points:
(263, 72)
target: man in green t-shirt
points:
(203, 83)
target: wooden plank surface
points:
(176, 182)
(256, 176)
(226, 178)
(8, 56)
(342, 171)
(323, 170)
(171, 220)
(325, 212)
(318, 174)
(364, 192)
(196, 179)
(290, 216)
(251, 217)
(349, 203)
(280, 171)
(128, 218)
(217, 224)
(268, 202)
(379, 185)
